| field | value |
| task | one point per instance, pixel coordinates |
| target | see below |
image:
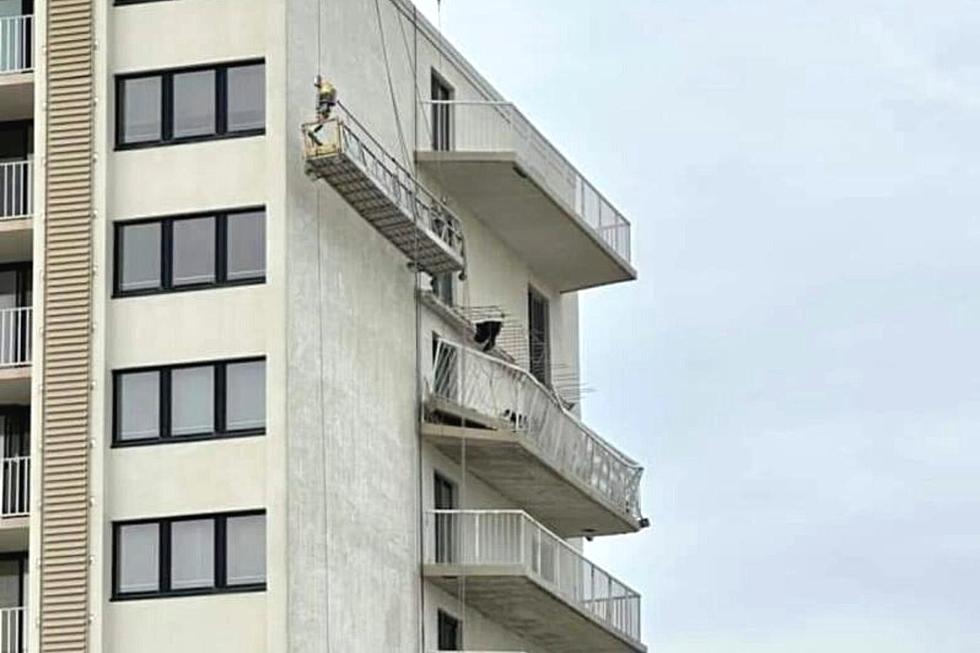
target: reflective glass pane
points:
(246, 245)
(140, 269)
(194, 110)
(138, 558)
(193, 254)
(246, 97)
(246, 550)
(246, 395)
(142, 110)
(139, 405)
(192, 400)
(192, 554)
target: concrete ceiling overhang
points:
(556, 243)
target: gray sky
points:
(798, 365)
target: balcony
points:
(16, 67)
(15, 483)
(517, 573)
(15, 355)
(519, 437)
(16, 210)
(488, 156)
(13, 630)
(343, 153)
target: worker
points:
(326, 98)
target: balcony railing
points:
(500, 126)
(13, 630)
(16, 44)
(508, 394)
(15, 484)
(15, 336)
(16, 189)
(513, 538)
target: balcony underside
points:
(514, 467)
(541, 228)
(14, 534)
(15, 384)
(16, 96)
(508, 596)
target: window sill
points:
(186, 439)
(176, 594)
(195, 139)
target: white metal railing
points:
(15, 336)
(479, 126)
(397, 183)
(16, 44)
(506, 393)
(13, 630)
(16, 189)
(15, 499)
(514, 538)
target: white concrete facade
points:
(341, 471)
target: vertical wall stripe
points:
(67, 340)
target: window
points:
(450, 632)
(539, 336)
(179, 106)
(442, 116)
(442, 288)
(197, 401)
(203, 554)
(444, 499)
(190, 252)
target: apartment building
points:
(277, 382)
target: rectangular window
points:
(442, 114)
(200, 401)
(191, 104)
(539, 336)
(190, 252)
(450, 632)
(176, 556)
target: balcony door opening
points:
(16, 155)
(446, 524)
(13, 602)
(450, 632)
(15, 479)
(442, 114)
(15, 313)
(539, 336)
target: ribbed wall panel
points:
(67, 324)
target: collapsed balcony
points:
(519, 437)
(513, 570)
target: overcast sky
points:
(798, 366)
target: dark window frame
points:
(164, 399)
(167, 105)
(540, 369)
(443, 121)
(164, 557)
(221, 279)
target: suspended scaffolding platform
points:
(343, 153)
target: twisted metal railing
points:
(507, 394)
(514, 538)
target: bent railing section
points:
(506, 393)
(485, 126)
(513, 538)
